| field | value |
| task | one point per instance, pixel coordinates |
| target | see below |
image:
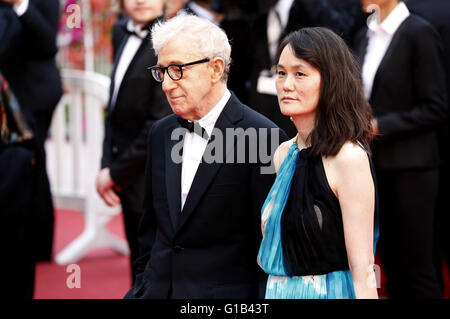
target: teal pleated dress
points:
(316, 284)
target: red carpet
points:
(105, 274)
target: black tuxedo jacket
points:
(408, 97)
(140, 102)
(27, 55)
(209, 249)
(437, 12)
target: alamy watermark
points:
(74, 279)
(376, 13)
(237, 146)
(374, 276)
(74, 18)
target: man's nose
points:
(168, 84)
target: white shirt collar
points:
(392, 21)
(137, 28)
(283, 7)
(21, 8)
(209, 120)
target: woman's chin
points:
(286, 111)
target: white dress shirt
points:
(277, 20)
(194, 146)
(21, 8)
(379, 38)
(129, 51)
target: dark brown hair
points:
(342, 113)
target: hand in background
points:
(110, 197)
(375, 127)
(105, 188)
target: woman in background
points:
(319, 219)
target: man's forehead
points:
(177, 51)
(166, 59)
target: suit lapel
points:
(140, 54)
(391, 50)
(362, 48)
(173, 177)
(114, 69)
(206, 172)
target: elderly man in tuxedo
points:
(204, 188)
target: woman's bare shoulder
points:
(351, 161)
(350, 157)
(281, 152)
(350, 152)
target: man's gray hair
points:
(211, 39)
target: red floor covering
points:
(105, 274)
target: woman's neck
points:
(305, 125)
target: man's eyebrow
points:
(170, 63)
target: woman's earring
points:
(291, 119)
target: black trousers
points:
(407, 220)
(17, 267)
(42, 219)
(443, 202)
(132, 201)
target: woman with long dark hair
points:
(319, 220)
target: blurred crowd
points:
(404, 63)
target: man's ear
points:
(217, 66)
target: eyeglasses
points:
(175, 71)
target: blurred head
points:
(173, 6)
(318, 74)
(142, 11)
(383, 4)
(185, 39)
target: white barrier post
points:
(88, 92)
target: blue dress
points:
(312, 254)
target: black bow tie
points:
(131, 32)
(139, 32)
(140, 35)
(193, 127)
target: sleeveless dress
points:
(303, 247)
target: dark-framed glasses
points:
(175, 71)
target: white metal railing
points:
(73, 160)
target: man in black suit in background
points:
(205, 177)
(27, 60)
(404, 81)
(437, 12)
(136, 102)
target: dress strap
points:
(270, 256)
